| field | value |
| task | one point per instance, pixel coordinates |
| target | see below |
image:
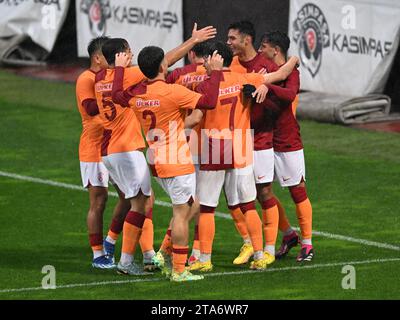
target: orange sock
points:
(131, 231)
(303, 211)
(206, 229)
(304, 214)
(240, 221)
(166, 245)
(179, 257)
(254, 225)
(270, 221)
(196, 241)
(284, 224)
(146, 239)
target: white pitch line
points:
(381, 245)
(302, 267)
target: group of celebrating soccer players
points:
(224, 121)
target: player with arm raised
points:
(94, 174)
(121, 150)
(189, 76)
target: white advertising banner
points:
(344, 45)
(141, 22)
(41, 20)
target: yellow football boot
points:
(246, 251)
(263, 263)
(201, 266)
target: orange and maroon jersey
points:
(161, 109)
(92, 129)
(226, 138)
(262, 115)
(286, 128)
(122, 131)
(190, 76)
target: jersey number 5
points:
(110, 116)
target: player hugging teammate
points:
(225, 121)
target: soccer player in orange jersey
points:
(121, 150)
(226, 161)
(94, 174)
(190, 76)
(161, 108)
(241, 37)
(288, 150)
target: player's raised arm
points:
(283, 71)
(210, 87)
(198, 36)
(122, 60)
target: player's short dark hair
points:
(201, 49)
(277, 38)
(149, 60)
(96, 44)
(113, 46)
(245, 27)
(224, 50)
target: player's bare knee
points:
(264, 192)
(138, 203)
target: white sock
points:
(246, 240)
(97, 253)
(126, 259)
(110, 240)
(204, 257)
(306, 241)
(148, 255)
(288, 231)
(258, 255)
(196, 253)
(270, 249)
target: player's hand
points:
(204, 34)
(260, 93)
(215, 61)
(122, 59)
(262, 71)
(296, 59)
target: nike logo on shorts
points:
(286, 179)
(260, 177)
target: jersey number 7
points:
(232, 101)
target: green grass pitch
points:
(352, 181)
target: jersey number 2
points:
(147, 113)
